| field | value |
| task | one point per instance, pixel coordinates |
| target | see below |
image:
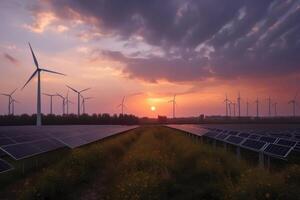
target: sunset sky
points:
(149, 50)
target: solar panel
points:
(5, 166)
(267, 139)
(244, 135)
(277, 150)
(253, 144)
(233, 132)
(222, 136)
(5, 141)
(20, 151)
(211, 134)
(286, 142)
(254, 137)
(234, 139)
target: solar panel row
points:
(5, 166)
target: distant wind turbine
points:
(83, 103)
(294, 102)
(38, 72)
(227, 101)
(63, 103)
(68, 101)
(257, 107)
(13, 101)
(51, 101)
(247, 108)
(9, 95)
(239, 104)
(229, 106)
(269, 103)
(122, 105)
(174, 104)
(78, 97)
(234, 104)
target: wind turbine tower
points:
(257, 107)
(83, 103)
(269, 102)
(275, 109)
(122, 105)
(174, 104)
(38, 73)
(247, 108)
(51, 101)
(293, 102)
(78, 97)
(227, 103)
(9, 99)
(63, 103)
(239, 104)
(13, 101)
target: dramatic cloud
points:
(10, 58)
(199, 39)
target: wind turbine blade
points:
(5, 94)
(34, 58)
(84, 90)
(118, 106)
(46, 94)
(60, 96)
(72, 89)
(89, 98)
(13, 91)
(46, 70)
(34, 73)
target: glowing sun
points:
(153, 108)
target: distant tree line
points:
(96, 119)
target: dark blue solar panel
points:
(277, 150)
(253, 144)
(254, 137)
(4, 166)
(234, 139)
(267, 139)
(222, 136)
(5, 141)
(286, 142)
(244, 135)
(20, 151)
(233, 132)
(211, 134)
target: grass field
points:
(152, 163)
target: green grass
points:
(158, 163)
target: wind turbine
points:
(38, 73)
(78, 97)
(51, 100)
(63, 102)
(270, 102)
(227, 101)
(239, 104)
(229, 105)
(234, 104)
(247, 108)
(9, 95)
(174, 104)
(13, 101)
(257, 107)
(293, 102)
(83, 103)
(122, 105)
(68, 101)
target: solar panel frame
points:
(271, 147)
(285, 142)
(232, 140)
(5, 166)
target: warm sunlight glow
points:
(153, 108)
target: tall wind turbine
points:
(174, 104)
(78, 97)
(63, 103)
(229, 106)
(239, 104)
(38, 73)
(293, 102)
(270, 103)
(13, 101)
(257, 107)
(9, 95)
(51, 101)
(234, 104)
(227, 102)
(122, 105)
(83, 103)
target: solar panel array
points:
(27, 141)
(275, 143)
